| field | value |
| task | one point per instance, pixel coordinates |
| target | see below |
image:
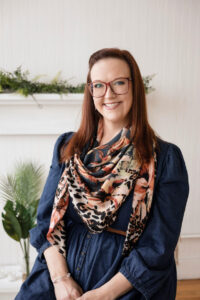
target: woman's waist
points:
(81, 226)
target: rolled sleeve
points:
(149, 264)
(38, 233)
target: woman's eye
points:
(98, 85)
(119, 82)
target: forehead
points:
(107, 69)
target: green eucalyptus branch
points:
(18, 82)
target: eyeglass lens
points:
(118, 86)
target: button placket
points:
(83, 254)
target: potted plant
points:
(20, 193)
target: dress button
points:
(78, 269)
(88, 236)
(82, 253)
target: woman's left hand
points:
(117, 286)
(96, 294)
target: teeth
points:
(110, 104)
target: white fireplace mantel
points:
(42, 99)
(40, 114)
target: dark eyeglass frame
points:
(108, 84)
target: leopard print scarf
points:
(98, 183)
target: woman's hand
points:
(67, 289)
(97, 294)
(117, 286)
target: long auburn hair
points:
(142, 135)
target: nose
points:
(109, 93)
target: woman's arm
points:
(65, 287)
(55, 261)
(117, 286)
(38, 234)
(151, 262)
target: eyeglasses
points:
(118, 86)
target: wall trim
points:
(40, 99)
(47, 114)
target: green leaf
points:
(55, 80)
(11, 224)
(22, 215)
(33, 208)
(24, 219)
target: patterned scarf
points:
(98, 182)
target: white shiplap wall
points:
(163, 35)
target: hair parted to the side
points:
(142, 135)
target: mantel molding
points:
(40, 99)
(45, 114)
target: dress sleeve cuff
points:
(138, 286)
(43, 248)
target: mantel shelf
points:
(46, 114)
(40, 99)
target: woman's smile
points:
(111, 106)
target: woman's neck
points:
(109, 132)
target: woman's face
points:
(113, 108)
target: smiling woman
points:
(106, 66)
(112, 208)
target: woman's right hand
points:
(67, 289)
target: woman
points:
(111, 211)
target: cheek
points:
(129, 103)
(97, 104)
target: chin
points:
(116, 121)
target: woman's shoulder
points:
(165, 147)
(61, 141)
(64, 138)
(169, 155)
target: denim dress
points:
(93, 259)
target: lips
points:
(111, 106)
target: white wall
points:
(163, 35)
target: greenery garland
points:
(18, 82)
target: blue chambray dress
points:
(93, 259)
